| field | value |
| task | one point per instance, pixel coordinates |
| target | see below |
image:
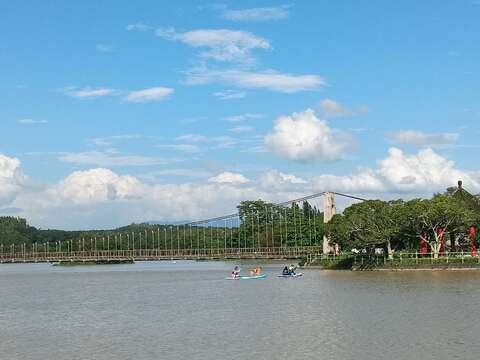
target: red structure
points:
(473, 246)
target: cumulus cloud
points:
(229, 177)
(230, 94)
(97, 185)
(88, 93)
(101, 198)
(222, 44)
(12, 179)
(257, 14)
(276, 180)
(148, 95)
(269, 79)
(96, 198)
(366, 180)
(425, 170)
(304, 137)
(418, 138)
(422, 173)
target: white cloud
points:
(88, 93)
(257, 14)
(191, 138)
(222, 44)
(242, 129)
(333, 108)
(31, 121)
(103, 48)
(230, 94)
(138, 27)
(147, 95)
(101, 198)
(418, 138)
(111, 158)
(304, 137)
(236, 46)
(425, 170)
(229, 177)
(12, 179)
(276, 180)
(243, 117)
(180, 172)
(270, 79)
(216, 141)
(108, 140)
(97, 185)
(364, 181)
(187, 148)
(422, 173)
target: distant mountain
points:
(160, 222)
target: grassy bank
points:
(400, 262)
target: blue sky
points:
(255, 99)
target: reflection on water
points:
(186, 310)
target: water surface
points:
(186, 310)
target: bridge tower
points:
(329, 210)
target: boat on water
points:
(290, 275)
(262, 276)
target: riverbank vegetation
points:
(446, 222)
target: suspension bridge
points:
(259, 230)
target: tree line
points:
(442, 223)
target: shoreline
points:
(468, 267)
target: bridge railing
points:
(401, 258)
(153, 254)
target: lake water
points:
(186, 310)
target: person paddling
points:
(256, 271)
(236, 272)
(291, 269)
(285, 271)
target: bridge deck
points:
(158, 254)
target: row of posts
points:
(228, 236)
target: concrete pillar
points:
(329, 210)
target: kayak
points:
(247, 277)
(290, 275)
